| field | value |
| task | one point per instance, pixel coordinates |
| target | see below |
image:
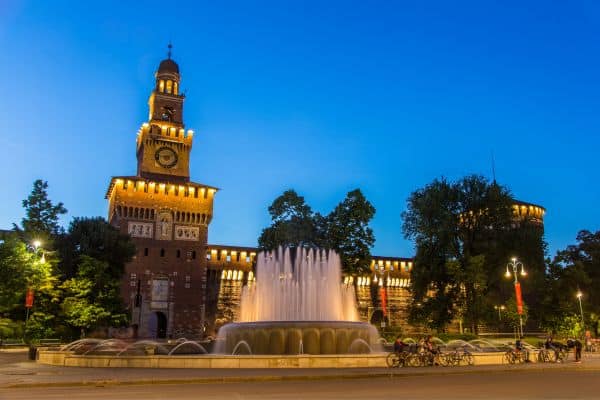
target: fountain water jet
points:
(298, 304)
(188, 343)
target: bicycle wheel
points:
(455, 359)
(403, 359)
(416, 360)
(444, 359)
(541, 356)
(509, 358)
(392, 360)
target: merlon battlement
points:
(164, 131)
(137, 184)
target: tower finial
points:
(170, 46)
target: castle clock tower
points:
(163, 150)
(167, 216)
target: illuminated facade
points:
(167, 216)
(230, 267)
(177, 285)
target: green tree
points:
(21, 269)
(511, 315)
(96, 238)
(575, 268)
(17, 266)
(94, 255)
(347, 231)
(431, 220)
(92, 297)
(293, 224)
(41, 219)
(464, 233)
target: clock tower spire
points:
(163, 144)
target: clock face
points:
(166, 157)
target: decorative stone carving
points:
(140, 229)
(164, 225)
(183, 232)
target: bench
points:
(49, 342)
(7, 343)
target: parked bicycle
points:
(545, 355)
(458, 357)
(552, 355)
(513, 356)
(396, 359)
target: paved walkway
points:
(16, 371)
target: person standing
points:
(577, 345)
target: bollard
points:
(32, 353)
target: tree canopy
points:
(293, 223)
(577, 268)
(41, 219)
(75, 276)
(94, 237)
(464, 233)
(346, 229)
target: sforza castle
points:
(178, 284)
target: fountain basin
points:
(297, 337)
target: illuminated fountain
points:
(298, 305)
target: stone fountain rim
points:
(310, 323)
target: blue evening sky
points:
(321, 96)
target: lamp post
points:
(514, 265)
(29, 294)
(579, 295)
(500, 308)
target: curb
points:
(284, 378)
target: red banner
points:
(383, 301)
(29, 298)
(519, 298)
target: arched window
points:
(161, 86)
(169, 86)
(175, 88)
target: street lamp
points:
(30, 292)
(579, 295)
(500, 308)
(514, 265)
(36, 246)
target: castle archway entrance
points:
(161, 325)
